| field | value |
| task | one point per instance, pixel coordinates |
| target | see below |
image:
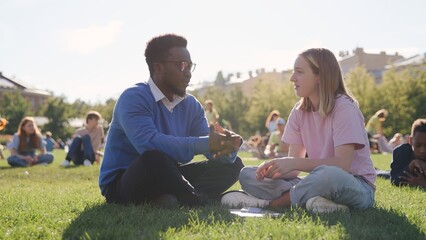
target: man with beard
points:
(157, 129)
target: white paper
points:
(254, 212)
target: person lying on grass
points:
(408, 165)
(327, 125)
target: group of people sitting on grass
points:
(268, 146)
(28, 147)
(157, 128)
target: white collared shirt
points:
(159, 96)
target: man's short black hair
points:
(158, 48)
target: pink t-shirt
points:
(320, 135)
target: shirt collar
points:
(159, 96)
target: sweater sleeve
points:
(136, 111)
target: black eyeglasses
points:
(183, 65)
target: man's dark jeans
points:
(81, 149)
(154, 174)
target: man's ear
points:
(410, 140)
(158, 68)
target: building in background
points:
(375, 64)
(35, 97)
(415, 60)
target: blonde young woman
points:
(25, 144)
(327, 125)
(271, 121)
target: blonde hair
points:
(269, 118)
(324, 64)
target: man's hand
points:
(223, 141)
(236, 139)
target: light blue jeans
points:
(326, 181)
(16, 161)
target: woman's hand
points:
(28, 159)
(35, 159)
(276, 168)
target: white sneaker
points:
(323, 205)
(87, 162)
(242, 199)
(65, 163)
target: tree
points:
(220, 79)
(266, 98)
(14, 109)
(58, 112)
(79, 108)
(361, 84)
(417, 93)
(106, 109)
(404, 95)
(234, 111)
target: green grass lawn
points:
(50, 202)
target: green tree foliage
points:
(404, 93)
(417, 95)
(263, 101)
(14, 107)
(106, 109)
(401, 92)
(217, 95)
(58, 112)
(361, 84)
(266, 98)
(233, 110)
(79, 108)
(231, 106)
(394, 93)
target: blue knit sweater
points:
(140, 123)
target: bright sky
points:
(94, 49)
